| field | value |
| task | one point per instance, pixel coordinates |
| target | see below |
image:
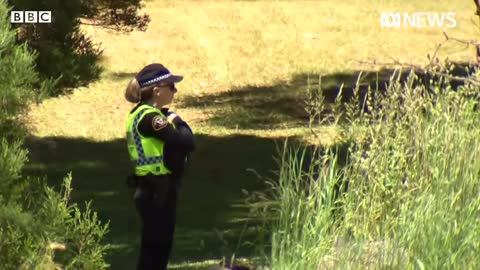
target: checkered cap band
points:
(155, 80)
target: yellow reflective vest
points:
(145, 152)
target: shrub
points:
(413, 192)
(35, 220)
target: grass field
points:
(246, 65)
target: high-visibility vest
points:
(145, 152)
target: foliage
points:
(65, 53)
(119, 16)
(31, 235)
(16, 66)
(412, 179)
(33, 217)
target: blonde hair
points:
(135, 94)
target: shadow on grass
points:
(283, 104)
(253, 107)
(212, 189)
(119, 75)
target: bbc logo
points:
(30, 16)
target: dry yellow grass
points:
(223, 45)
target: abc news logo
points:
(418, 19)
(30, 16)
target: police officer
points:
(159, 143)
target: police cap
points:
(154, 74)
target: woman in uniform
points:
(159, 143)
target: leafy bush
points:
(34, 219)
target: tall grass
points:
(413, 198)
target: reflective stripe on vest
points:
(142, 160)
(146, 153)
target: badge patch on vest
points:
(158, 122)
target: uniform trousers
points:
(156, 203)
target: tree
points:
(33, 217)
(64, 51)
(119, 16)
